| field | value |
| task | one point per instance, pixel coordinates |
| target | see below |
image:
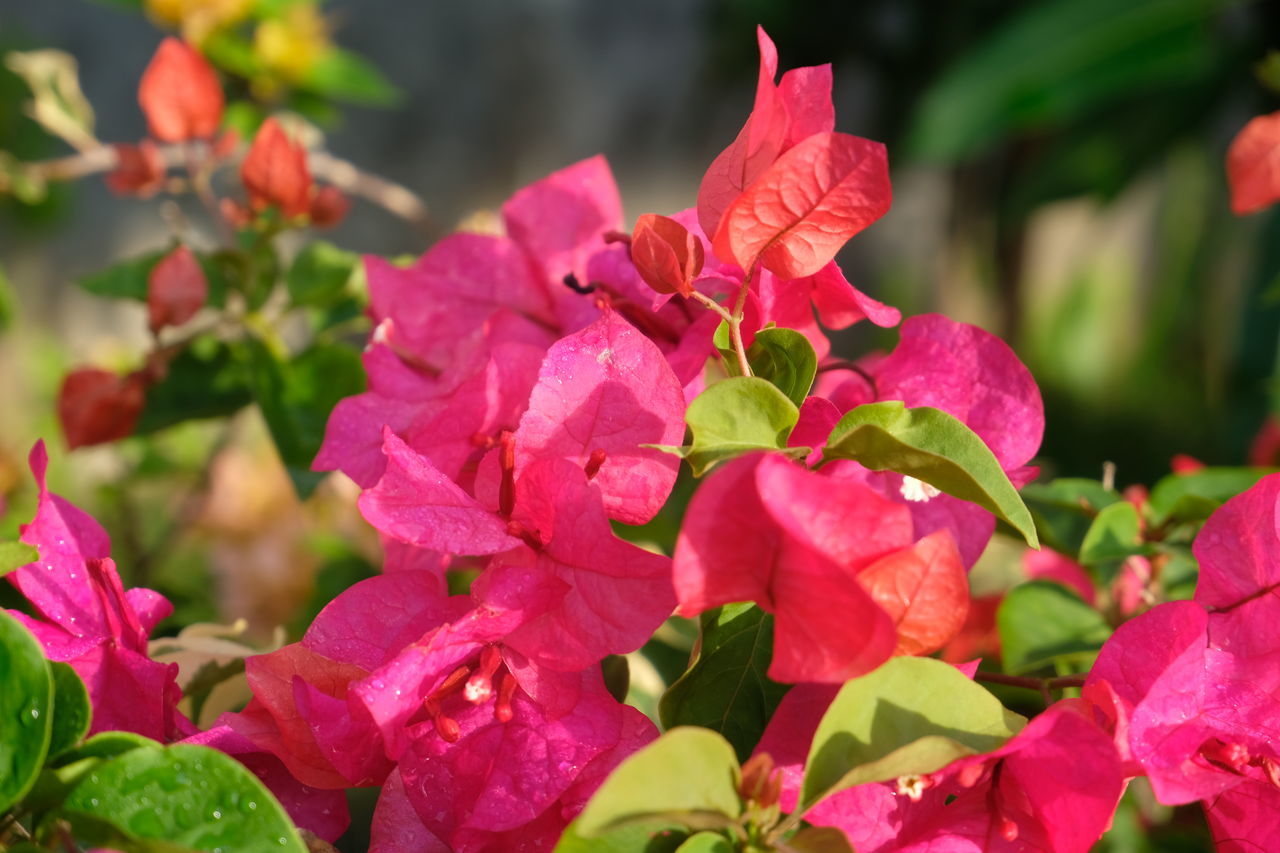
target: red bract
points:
(139, 170)
(1253, 165)
(176, 289)
(766, 530)
(97, 406)
(666, 255)
(801, 210)
(782, 116)
(180, 94)
(90, 622)
(275, 172)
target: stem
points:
(735, 327)
(715, 307)
(1041, 685)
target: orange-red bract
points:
(275, 171)
(96, 406)
(139, 170)
(176, 289)
(925, 591)
(180, 94)
(803, 209)
(1253, 165)
(666, 255)
(328, 207)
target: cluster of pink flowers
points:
(519, 388)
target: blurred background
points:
(1058, 179)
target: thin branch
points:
(1040, 685)
(344, 175)
(388, 195)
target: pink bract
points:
(90, 622)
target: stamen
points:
(480, 685)
(594, 461)
(525, 535)
(1008, 829)
(502, 710)
(571, 282)
(507, 462)
(482, 441)
(452, 684)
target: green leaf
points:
(71, 709)
(319, 274)
(343, 75)
(15, 555)
(624, 839)
(934, 447)
(296, 398)
(125, 279)
(784, 358)
(104, 745)
(128, 279)
(26, 710)
(910, 716)
(205, 380)
(1115, 535)
(151, 793)
(1064, 509)
(706, 842)
(1055, 61)
(726, 689)
(1194, 497)
(8, 302)
(1041, 622)
(687, 776)
(820, 839)
(736, 416)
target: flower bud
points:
(666, 255)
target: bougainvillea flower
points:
(1253, 165)
(971, 375)
(139, 170)
(96, 406)
(180, 94)
(87, 620)
(1000, 802)
(275, 172)
(1192, 686)
(601, 595)
(176, 289)
(329, 206)
(393, 675)
(559, 222)
(764, 529)
(602, 393)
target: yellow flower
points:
(289, 46)
(198, 18)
